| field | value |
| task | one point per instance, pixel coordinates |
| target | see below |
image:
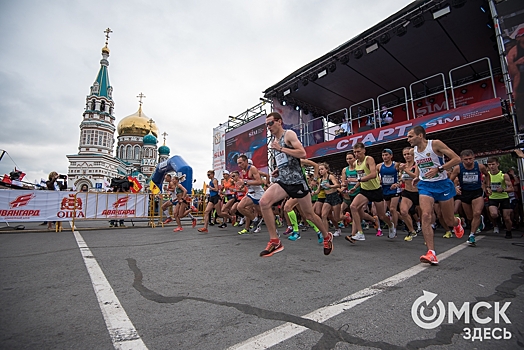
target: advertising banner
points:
(19, 205)
(470, 114)
(219, 150)
(249, 139)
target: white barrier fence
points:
(20, 205)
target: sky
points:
(197, 62)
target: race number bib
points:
(388, 180)
(360, 174)
(470, 178)
(281, 159)
(495, 186)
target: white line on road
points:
(121, 330)
(288, 330)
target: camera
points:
(62, 177)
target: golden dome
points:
(136, 125)
(105, 49)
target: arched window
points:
(93, 104)
(137, 152)
(102, 106)
(121, 152)
(129, 152)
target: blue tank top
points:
(470, 180)
(212, 193)
(389, 176)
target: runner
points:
(434, 185)
(172, 200)
(471, 189)
(228, 199)
(331, 207)
(388, 171)
(212, 201)
(179, 206)
(410, 192)
(290, 181)
(498, 196)
(253, 183)
(370, 191)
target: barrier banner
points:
(249, 139)
(219, 150)
(19, 205)
(444, 120)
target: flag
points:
(2, 154)
(153, 187)
(22, 174)
(6, 179)
(43, 182)
(136, 186)
(204, 189)
(106, 185)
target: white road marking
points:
(121, 330)
(288, 330)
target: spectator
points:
(84, 188)
(386, 117)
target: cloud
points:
(196, 61)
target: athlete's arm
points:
(291, 139)
(509, 185)
(441, 147)
(333, 179)
(343, 177)
(184, 191)
(308, 162)
(487, 178)
(370, 162)
(455, 173)
(255, 177)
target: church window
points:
(100, 139)
(102, 106)
(93, 104)
(129, 152)
(88, 142)
(137, 152)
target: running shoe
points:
(194, 209)
(429, 258)
(392, 232)
(508, 235)
(359, 236)
(305, 228)
(235, 224)
(418, 227)
(463, 222)
(481, 226)
(288, 230)
(347, 219)
(337, 233)
(328, 244)
(458, 230)
(320, 238)
(379, 232)
(448, 234)
(271, 249)
(193, 222)
(167, 221)
(341, 224)
(223, 225)
(243, 232)
(257, 230)
(376, 222)
(211, 223)
(234, 221)
(496, 230)
(294, 236)
(202, 229)
(471, 240)
(242, 221)
(350, 239)
(410, 236)
(478, 231)
(178, 229)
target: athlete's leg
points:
(355, 207)
(307, 208)
(393, 209)
(273, 194)
(426, 206)
(405, 205)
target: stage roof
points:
(428, 46)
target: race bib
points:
(360, 174)
(495, 186)
(388, 180)
(470, 178)
(281, 159)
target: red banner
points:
(466, 115)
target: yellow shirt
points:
(363, 170)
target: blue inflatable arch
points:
(174, 164)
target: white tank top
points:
(428, 159)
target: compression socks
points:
(313, 225)
(293, 218)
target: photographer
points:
(119, 185)
(56, 182)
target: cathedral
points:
(137, 153)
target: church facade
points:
(136, 154)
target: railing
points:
(369, 109)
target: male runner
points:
(370, 191)
(289, 181)
(253, 183)
(498, 196)
(434, 185)
(388, 171)
(469, 174)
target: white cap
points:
(225, 172)
(250, 162)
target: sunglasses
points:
(209, 174)
(270, 123)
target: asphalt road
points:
(191, 290)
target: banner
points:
(511, 17)
(219, 150)
(19, 205)
(479, 112)
(251, 140)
